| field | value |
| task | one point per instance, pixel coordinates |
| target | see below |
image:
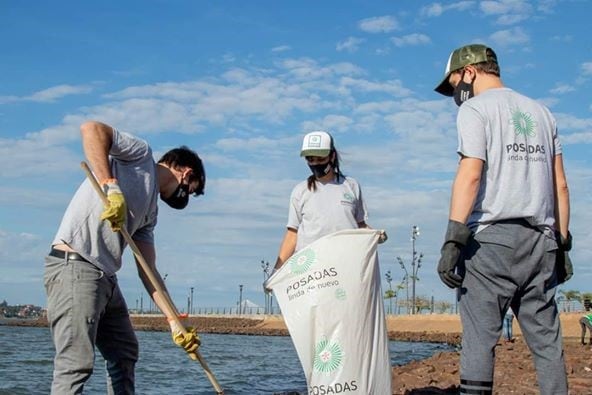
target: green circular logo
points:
(340, 294)
(328, 356)
(301, 262)
(523, 123)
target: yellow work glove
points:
(116, 211)
(189, 341)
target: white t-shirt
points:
(81, 228)
(517, 139)
(334, 206)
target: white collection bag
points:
(330, 297)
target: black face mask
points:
(463, 91)
(179, 199)
(321, 170)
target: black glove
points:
(457, 236)
(563, 264)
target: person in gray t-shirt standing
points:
(85, 307)
(326, 202)
(507, 237)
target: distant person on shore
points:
(507, 326)
(85, 307)
(326, 202)
(508, 228)
(586, 322)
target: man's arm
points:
(561, 196)
(287, 247)
(464, 193)
(465, 189)
(97, 139)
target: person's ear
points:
(470, 72)
(186, 174)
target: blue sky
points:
(241, 83)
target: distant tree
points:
(442, 307)
(390, 294)
(421, 303)
(569, 296)
(587, 300)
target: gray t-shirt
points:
(334, 206)
(81, 228)
(517, 139)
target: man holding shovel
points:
(85, 306)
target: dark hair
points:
(311, 181)
(490, 66)
(184, 157)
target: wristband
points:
(181, 316)
(109, 181)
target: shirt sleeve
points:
(556, 142)
(128, 148)
(361, 209)
(295, 209)
(472, 142)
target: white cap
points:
(316, 143)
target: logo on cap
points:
(314, 141)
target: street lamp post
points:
(191, 306)
(265, 267)
(240, 299)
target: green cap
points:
(459, 58)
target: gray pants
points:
(86, 308)
(510, 263)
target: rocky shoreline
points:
(246, 326)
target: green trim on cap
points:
(315, 152)
(459, 58)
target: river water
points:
(241, 364)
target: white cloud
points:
(351, 44)
(510, 37)
(586, 68)
(568, 122)
(567, 38)
(506, 7)
(49, 95)
(380, 24)
(546, 6)
(511, 19)
(281, 48)
(562, 88)
(331, 123)
(509, 12)
(411, 40)
(577, 138)
(392, 87)
(253, 144)
(437, 9)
